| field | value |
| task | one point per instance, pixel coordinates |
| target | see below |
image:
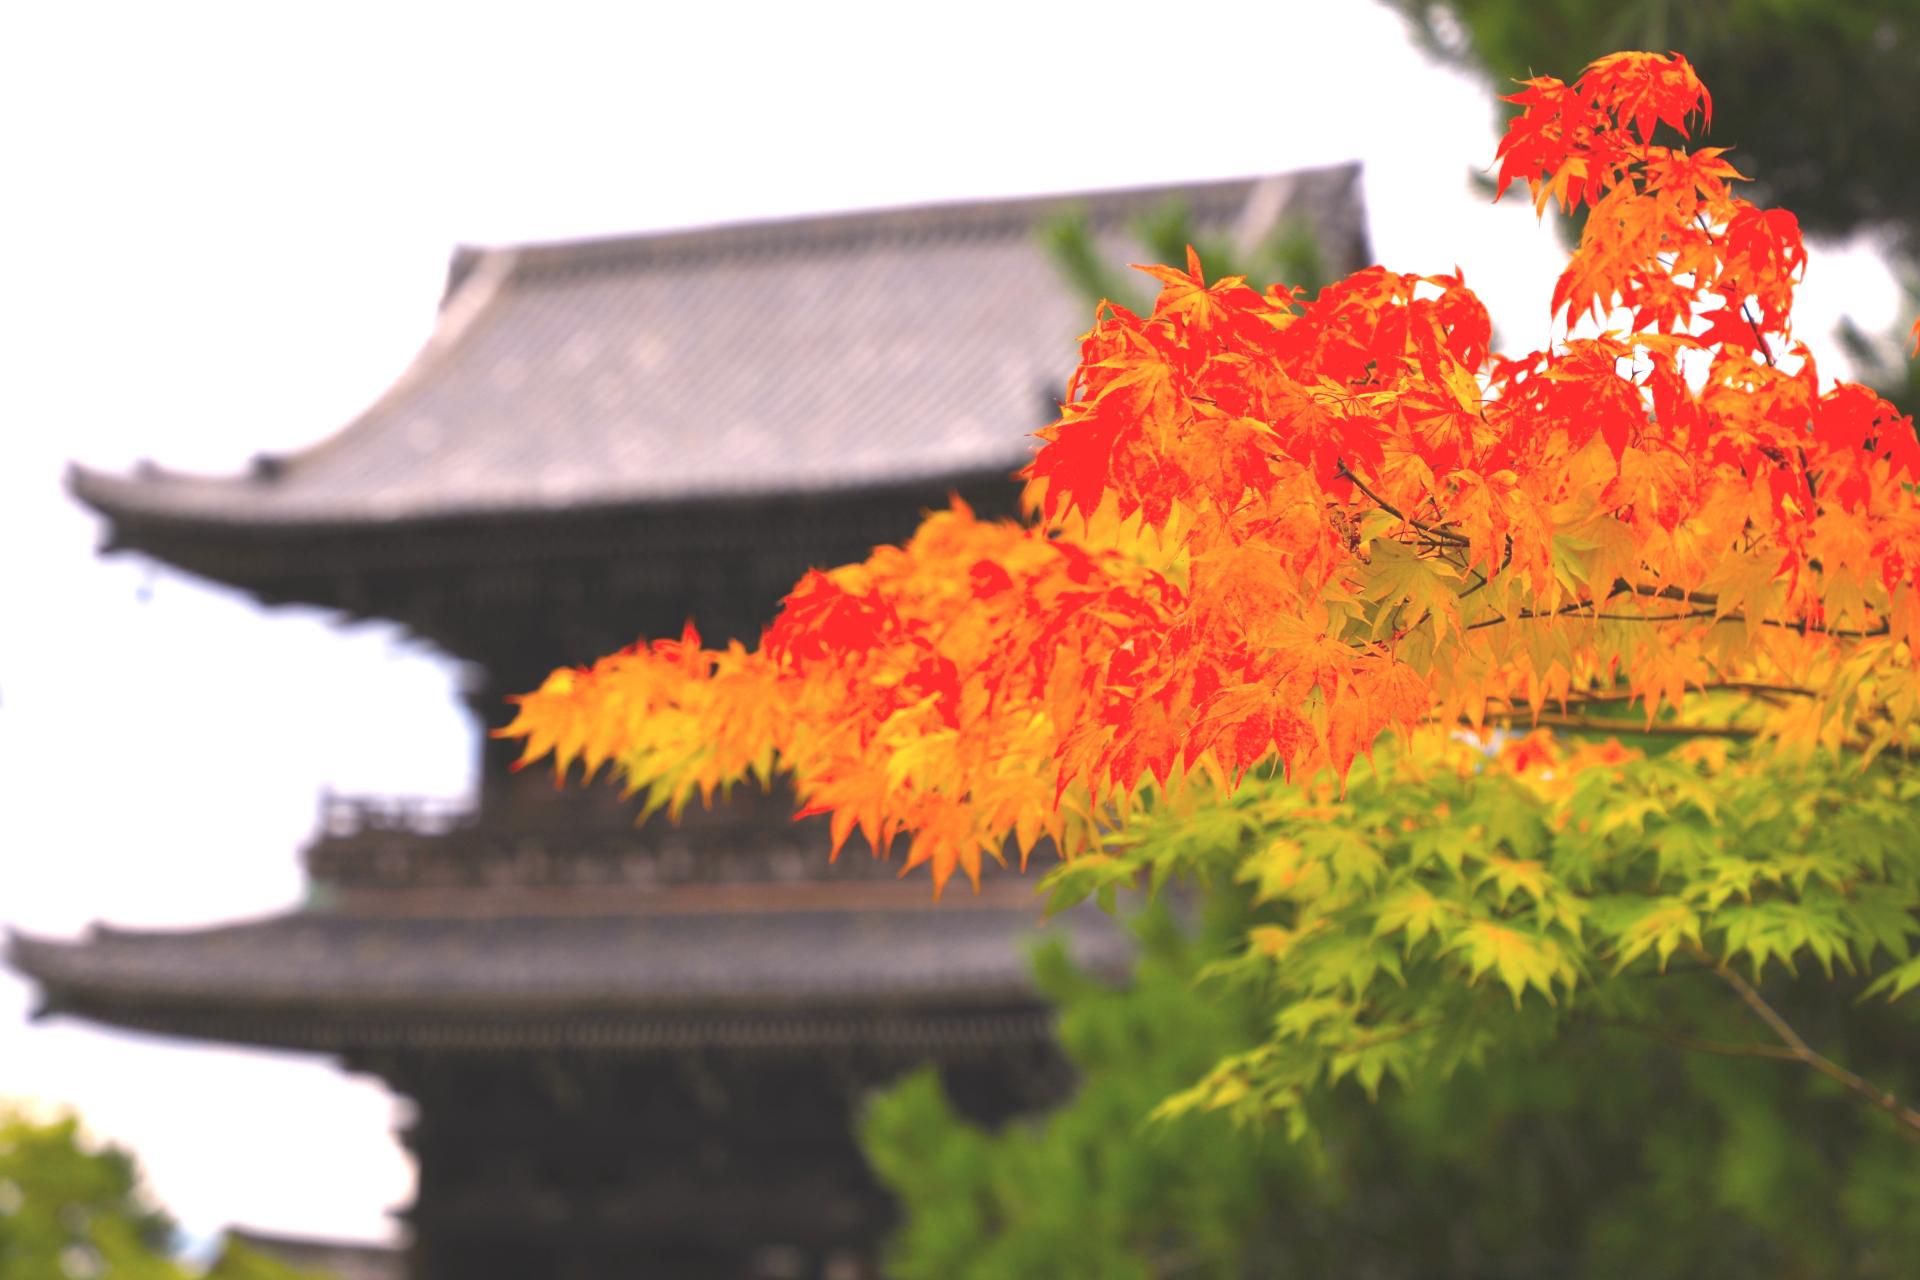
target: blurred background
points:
(226, 230)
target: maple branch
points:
(1578, 699)
(1694, 1042)
(1607, 724)
(1711, 686)
(1432, 531)
(1805, 628)
(1621, 587)
(1754, 686)
(1528, 615)
(1799, 1049)
(1701, 597)
(1766, 348)
(1653, 617)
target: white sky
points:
(225, 229)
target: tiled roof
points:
(643, 979)
(336, 1259)
(820, 354)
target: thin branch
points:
(1621, 587)
(1798, 1048)
(1766, 348)
(1805, 629)
(1731, 619)
(1703, 1046)
(1599, 724)
(1575, 697)
(1751, 686)
(1528, 615)
(1653, 617)
(1432, 531)
(1740, 619)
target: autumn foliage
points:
(1267, 529)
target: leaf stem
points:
(1432, 531)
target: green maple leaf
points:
(1519, 959)
(1426, 586)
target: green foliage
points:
(1447, 905)
(73, 1211)
(1540, 964)
(1600, 1153)
(1819, 99)
(1539, 1114)
(1289, 255)
(67, 1210)
(1090, 1190)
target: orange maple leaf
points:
(1271, 530)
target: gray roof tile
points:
(963, 955)
(820, 354)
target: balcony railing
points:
(344, 816)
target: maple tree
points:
(1598, 1151)
(1269, 533)
(1407, 919)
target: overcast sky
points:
(225, 230)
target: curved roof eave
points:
(799, 357)
(325, 964)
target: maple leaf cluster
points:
(918, 691)
(1455, 900)
(1272, 529)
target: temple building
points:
(638, 1050)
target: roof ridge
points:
(744, 360)
(1223, 200)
